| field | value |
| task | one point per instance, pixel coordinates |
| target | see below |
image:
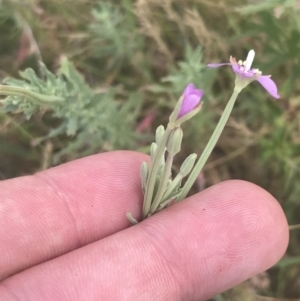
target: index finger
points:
(61, 209)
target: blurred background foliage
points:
(120, 66)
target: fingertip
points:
(254, 198)
(224, 235)
(256, 212)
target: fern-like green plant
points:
(112, 35)
(96, 120)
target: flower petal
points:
(189, 89)
(269, 85)
(189, 103)
(198, 92)
(217, 65)
(245, 74)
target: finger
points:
(190, 251)
(66, 207)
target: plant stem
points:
(153, 171)
(172, 186)
(32, 96)
(294, 227)
(163, 183)
(210, 145)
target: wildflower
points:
(246, 75)
(191, 100)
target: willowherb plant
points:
(93, 118)
(159, 188)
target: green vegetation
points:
(105, 73)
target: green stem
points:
(163, 184)
(294, 227)
(164, 204)
(32, 96)
(172, 186)
(153, 171)
(210, 145)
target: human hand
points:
(64, 236)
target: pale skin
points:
(64, 236)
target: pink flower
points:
(246, 74)
(191, 99)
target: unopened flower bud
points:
(188, 105)
(144, 174)
(191, 100)
(153, 150)
(159, 133)
(188, 165)
(174, 142)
